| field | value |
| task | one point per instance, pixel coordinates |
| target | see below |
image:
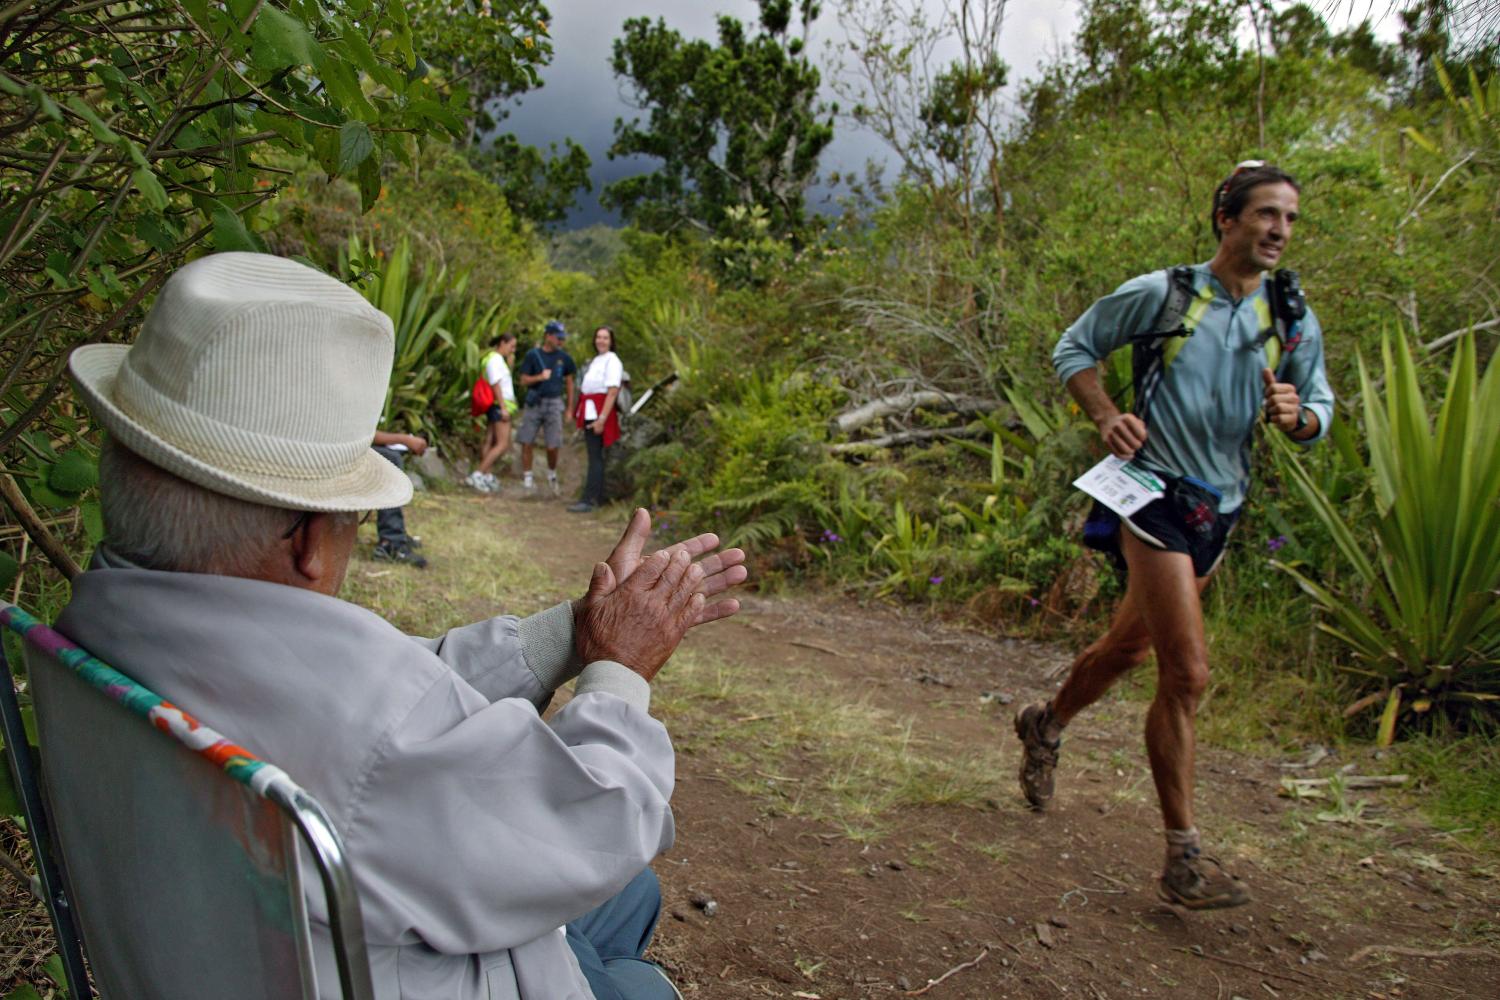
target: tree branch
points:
(44, 539)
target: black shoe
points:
(398, 553)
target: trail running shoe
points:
(1191, 883)
(1038, 754)
(553, 485)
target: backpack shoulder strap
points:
(1172, 318)
(1153, 350)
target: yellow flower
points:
(528, 42)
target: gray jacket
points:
(476, 829)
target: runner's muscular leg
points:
(1167, 596)
(1114, 654)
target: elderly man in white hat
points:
(497, 854)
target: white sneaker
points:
(477, 481)
(492, 481)
(552, 484)
(528, 484)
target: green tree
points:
(942, 118)
(538, 187)
(459, 40)
(733, 124)
(135, 134)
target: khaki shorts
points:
(544, 415)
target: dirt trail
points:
(1060, 904)
(847, 800)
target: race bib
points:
(1121, 486)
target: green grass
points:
(812, 750)
(1461, 778)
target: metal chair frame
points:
(301, 809)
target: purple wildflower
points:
(1272, 544)
(934, 580)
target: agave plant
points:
(1422, 617)
(440, 332)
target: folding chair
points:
(178, 856)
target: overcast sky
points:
(581, 98)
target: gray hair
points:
(159, 521)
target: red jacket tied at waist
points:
(611, 423)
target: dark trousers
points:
(593, 485)
(609, 942)
(390, 524)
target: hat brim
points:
(371, 484)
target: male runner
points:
(1197, 435)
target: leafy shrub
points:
(752, 467)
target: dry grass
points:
(477, 564)
(26, 939)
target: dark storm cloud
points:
(581, 98)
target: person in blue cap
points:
(547, 372)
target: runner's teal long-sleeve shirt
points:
(1203, 415)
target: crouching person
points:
(496, 854)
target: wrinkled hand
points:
(417, 444)
(1283, 405)
(1123, 434)
(639, 622)
(721, 570)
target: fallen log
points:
(907, 437)
(1308, 787)
(905, 402)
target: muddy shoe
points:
(1039, 754)
(1196, 881)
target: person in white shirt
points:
(498, 418)
(598, 415)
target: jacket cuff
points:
(547, 646)
(609, 677)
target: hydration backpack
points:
(1152, 352)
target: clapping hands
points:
(637, 609)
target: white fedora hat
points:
(255, 377)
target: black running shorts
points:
(1186, 520)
